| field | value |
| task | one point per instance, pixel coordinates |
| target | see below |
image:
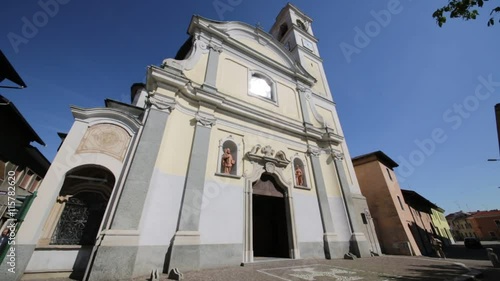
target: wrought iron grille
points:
(71, 225)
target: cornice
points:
(106, 113)
(158, 77)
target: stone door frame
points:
(258, 170)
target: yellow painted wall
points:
(314, 69)
(232, 77)
(439, 220)
(288, 100)
(232, 80)
(330, 175)
(176, 144)
(313, 119)
(265, 50)
(327, 116)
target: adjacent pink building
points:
(391, 215)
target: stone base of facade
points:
(359, 245)
(11, 270)
(194, 257)
(333, 248)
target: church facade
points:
(230, 152)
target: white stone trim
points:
(199, 48)
(258, 169)
(274, 91)
(106, 115)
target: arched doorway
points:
(76, 218)
(85, 195)
(271, 236)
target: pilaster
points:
(329, 236)
(185, 249)
(212, 67)
(359, 245)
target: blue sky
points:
(410, 83)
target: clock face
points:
(306, 43)
(260, 87)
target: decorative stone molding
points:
(267, 155)
(205, 121)
(337, 155)
(217, 49)
(107, 139)
(312, 106)
(262, 41)
(265, 160)
(131, 123)
(199, 48)
(313, 152)
(268, 151)
(162, 102)
(270, 167)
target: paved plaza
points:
(368, 269)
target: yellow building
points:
(230, 152)
(441, 226)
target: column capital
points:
(204, 120)
(162, 103)
(338, 156)
(215, 48)
(313, 152)
(305, 91)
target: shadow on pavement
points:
(429, 273)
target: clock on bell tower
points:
(293, 29)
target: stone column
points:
(332, 249)
(358, 243)
(185, 249)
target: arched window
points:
(262, 86)
(229, 158)
(283, 30)
(299, 172)
(301, 25)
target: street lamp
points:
(492, 160)
(497, 115)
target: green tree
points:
(465, 9)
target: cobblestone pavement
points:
(384, 268)
(390, 268)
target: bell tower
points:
(293, 29)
